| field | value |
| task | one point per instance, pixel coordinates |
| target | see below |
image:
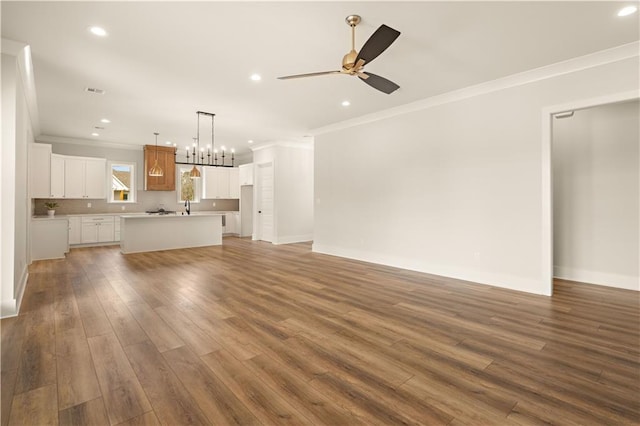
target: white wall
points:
(293, 190)
(14, 205)
(24, 136)
(596, 184)
(7, 198)
(453, 189)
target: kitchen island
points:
(140, 233)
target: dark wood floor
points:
(250, 333)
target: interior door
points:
(265, 202)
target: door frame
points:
(547, 176)
(257, 229)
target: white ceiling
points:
(163, 61)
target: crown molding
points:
(87, 142)
(11, 47)
(308, 145)
(22, 54)
(603, 57)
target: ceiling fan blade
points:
(380, 83)
(377, 43)
(312, 74)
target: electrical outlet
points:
(214, 204)
(122, 207)
(89, 205)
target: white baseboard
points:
(11, 308)
(8, 308)
(535, 286)
(293, 239)
(22, 285)
(626, 282)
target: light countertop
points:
(165, 216)
(130, 214)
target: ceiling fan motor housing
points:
(349, 60)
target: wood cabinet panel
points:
(166, 161)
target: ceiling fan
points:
(353, 62)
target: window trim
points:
(133, 188)
(198, 183)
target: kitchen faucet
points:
(187, 204)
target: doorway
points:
(548, 115)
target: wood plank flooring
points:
(249, 333)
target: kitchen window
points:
(122, 182)
(188, 189)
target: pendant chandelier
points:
(195, 173)
(156, 170)
(195, 156)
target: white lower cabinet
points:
(49, 238)
(97, 229)
(75, 229)
(116, 228)
(232, 223)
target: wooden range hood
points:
(166, 160)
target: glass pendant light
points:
(156, 170)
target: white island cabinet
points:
(141, 233)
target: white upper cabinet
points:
(246, 174)
(223, 183)
(220, 182)
(210, 182)
(234, 183)
(85, 177)
(74, 173)
(65, 176)
(96, 178)
(57, 176)
(39, 170)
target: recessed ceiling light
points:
(99, 31)
(346, 103)
(627, 10)
(95, 134)
(255, 77)
(105, 120)
(249, 141)
(168, 142)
